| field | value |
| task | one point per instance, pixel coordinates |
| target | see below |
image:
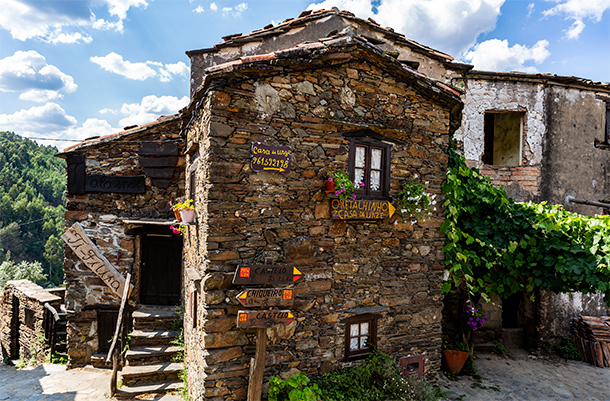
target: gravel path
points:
(521, 377)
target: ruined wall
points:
(257, 218)
(572, 165)
(22, 315)
(488, 95)
(101, 216)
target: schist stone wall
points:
(22, 315)
(243, 217)
(101, 214)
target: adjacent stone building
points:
(118, 190)
(543, 137)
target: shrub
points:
(295, 388)
(375, 379)
(566, 349)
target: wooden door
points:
(161, 269)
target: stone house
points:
(370, 280)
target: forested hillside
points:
(32, 183)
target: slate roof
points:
(307, 17)
(112, 137)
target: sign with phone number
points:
(270, 158)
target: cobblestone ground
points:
(521, 377)
(54, 383)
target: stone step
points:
(148, 374)
(129, 392)
(155, 317)
(142, 338)
(151, 354)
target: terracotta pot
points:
(177, 215)
(330, 187)
(454, 360)
(188, 215)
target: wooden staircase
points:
(150, 362)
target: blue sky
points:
(72, 69)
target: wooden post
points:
(112, 353)
(257, 366)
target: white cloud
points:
(497, 55)
(213, 7)
(140, 71)
(120, 7)
(150, 108)
(61, 21)
(114, 63)
(578, 11)
(28, 72)
(37, 120)
(199, 10)
(451, 26)
(530, 9)
(361, 8)
(234, 11)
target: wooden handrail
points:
(111, 353)
(52, 336)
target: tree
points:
(31, 203)
(10, 270)
(496, 245)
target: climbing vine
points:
(496, 245)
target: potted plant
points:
(184, 209)
(339, 183)
(414, 200)
(455, 356)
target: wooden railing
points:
(113, 353)
(50, 326)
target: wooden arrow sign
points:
(267, 274)
(252, 297)
(263, 318)
(345, 209)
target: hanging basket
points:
(454, 360)
(188, 215)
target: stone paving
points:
(515, 378)
(50, 382)
(521, 377)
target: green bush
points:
(566, 349)
(375, 379)
(295, 388)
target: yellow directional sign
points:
(346, 209)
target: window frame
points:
(369, 144)
(361, 353)
(490, 136)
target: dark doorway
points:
(510, 311)
(106, 324)
(161, 269)
(15, 330)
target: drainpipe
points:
(570, 199)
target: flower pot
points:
(454, 360)
(177, 215)
(330, 187)
(188, 215)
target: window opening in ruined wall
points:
(503, 138)
(360, 336)
(369, 163)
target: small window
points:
(30, 318)
(503, 138)
(360, 336)
(369, 163)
